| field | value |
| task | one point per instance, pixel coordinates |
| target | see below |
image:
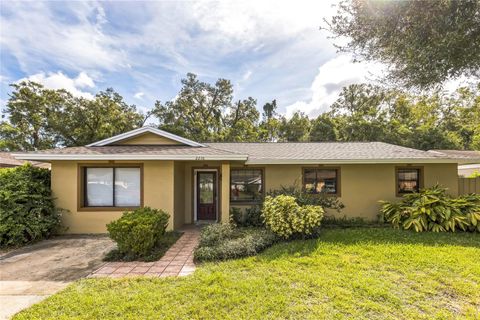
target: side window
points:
(317, 180)
(408, 180)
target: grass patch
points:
(165, 242)
(358, 273)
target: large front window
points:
(246, 185)
(317, 180)
(112, 187)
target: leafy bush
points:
(432, 209)
(250, 217)
(27, 211)
(222, 242)
(214, 234)
(137, 232)
(286, 218)
(303, 198)
(470, 206)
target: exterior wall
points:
(158, 187)
(179, 194)
(148, 139)
(168, 185)
(362, 185)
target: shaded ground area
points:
(29, 274)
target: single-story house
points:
(7, 160)
(197, 182)
(472, 166)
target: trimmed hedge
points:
(137, 232)
(223, 242)
(27, 211)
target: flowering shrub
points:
(287, 219)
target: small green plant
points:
(432, 209)
(223, 242)
(137, 232)
(286, 218)
(249, 217)
(27, 210)
(475, 174)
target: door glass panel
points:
(205, 187)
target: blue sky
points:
(268, 49)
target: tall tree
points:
(270, 125)
(205, 112)
(423, 43)
(80, 121)
(40, 118)
(27, 125)
(241, 124)
(198, 109)
(295, 129)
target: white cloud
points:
(37, 37)
(139, 95)
(59, 80)
(331, 78)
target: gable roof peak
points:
(143, 130)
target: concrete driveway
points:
(32, 273)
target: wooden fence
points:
(468, 185)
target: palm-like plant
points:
(432, 209)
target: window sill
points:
(106, 209)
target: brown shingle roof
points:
(325, 151)
(460, 153)
(328, 152)
(137, 150)
(7, 160)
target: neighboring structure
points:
(472, 157)
(194, 182)
(9, 161)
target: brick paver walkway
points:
(177, 261)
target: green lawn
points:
(350, 273)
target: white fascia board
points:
(143, 130)
(348, 161)
(50, 157)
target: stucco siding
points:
(362, 185)
(179, 194)
(158, 193)
(148, 139)
(168, 185)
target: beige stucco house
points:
(197, 182)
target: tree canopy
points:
(423, 43)
(40, 118)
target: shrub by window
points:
(246, 185)
(138, 231)
(27, 211)
(408, 180)
(112, 187)
(321, 180)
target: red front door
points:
(206, 195)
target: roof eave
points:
(143, 130)
(53, 157)
(348, 161)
